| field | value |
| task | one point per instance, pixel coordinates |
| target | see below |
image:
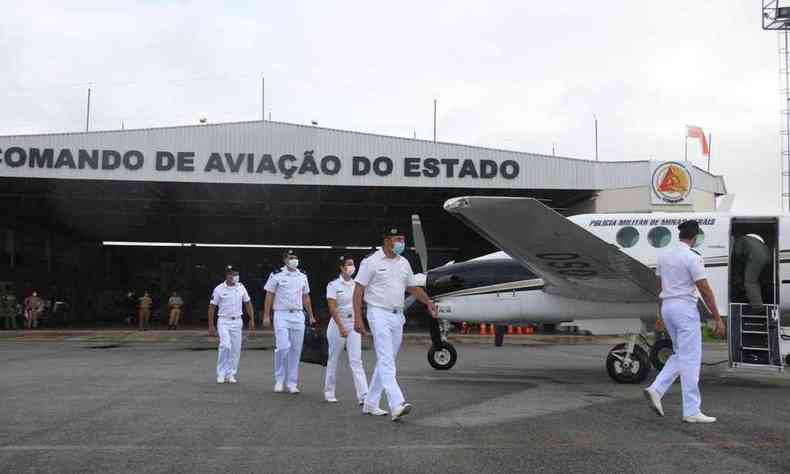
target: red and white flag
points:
(698, 133)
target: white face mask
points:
(292, 263)
(349, 270)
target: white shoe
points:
(654, 400)
(278, 387)
(232, 379)
(331, 399)
(366, 410)
(220, 379)
(293, 389)
(401, 411)
(699, 418)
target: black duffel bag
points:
(315, 349)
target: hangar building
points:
(77, 205)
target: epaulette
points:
(695, 251)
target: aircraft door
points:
(754, 261)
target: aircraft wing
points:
(573, 262)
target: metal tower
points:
(776, 17)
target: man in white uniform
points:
(288, 292)
(383, 279)
(682, 274)
(229, 296)
(340, 333)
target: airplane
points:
(552, 269)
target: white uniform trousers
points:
(229, 350)
(387, 330)
(288, 340)
(353, 345)
(682, 321)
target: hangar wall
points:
(264, 152)
(637, 199)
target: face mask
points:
(398, 247)
(235, 278)
(292, 263)
(349, 269)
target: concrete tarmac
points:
(76, 407)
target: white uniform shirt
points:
(385, 280)
(229, 299)
(342, 292)
(680, 269)
(288, 287)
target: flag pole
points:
(710, 146)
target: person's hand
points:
(312, 320)
(433, 310)
(343, 331)
(719, 331)
(252, 324)
(265, 323)
(212, 331)
(359, 326)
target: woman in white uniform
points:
(340, 334)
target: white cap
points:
(755, 236)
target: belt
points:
(230, 318)
(389, 310)
(288, 310)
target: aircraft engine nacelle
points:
(492, 307)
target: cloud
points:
(508, 74)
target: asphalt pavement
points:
(78, 405)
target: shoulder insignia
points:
(695, 251)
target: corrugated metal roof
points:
(536, 171)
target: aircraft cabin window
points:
(700, 239)
(627, 237)
(659, 237)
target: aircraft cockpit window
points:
(627, 237)
(700, 239)
(659, 237)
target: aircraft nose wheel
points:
(442, 357)
(624, 371)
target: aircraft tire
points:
(635, 374)
(443, 357)
(660, 352)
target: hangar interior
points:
(55, 230)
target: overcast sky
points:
(519, 75)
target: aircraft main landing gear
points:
(660, 352)
(628, 363)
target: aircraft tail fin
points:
(725, 203)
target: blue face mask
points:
(398, 247)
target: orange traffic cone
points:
(482, 329)
(529, 330)
(510, 329)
